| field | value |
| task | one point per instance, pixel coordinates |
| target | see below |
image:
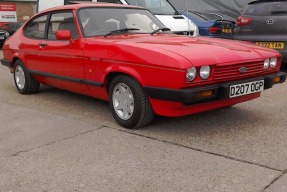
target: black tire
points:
(24, 81)
(141, 112)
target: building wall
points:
(25, 9)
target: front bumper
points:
(6, 63)
(2, 41)
(219, 91)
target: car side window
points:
(36, 28)
(62, 21)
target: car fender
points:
(118, 69)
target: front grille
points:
(232, 71)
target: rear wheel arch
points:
(24, 81)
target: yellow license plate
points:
(226, 31)
(272, 45)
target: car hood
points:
(181, 51)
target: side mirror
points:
(63, 35)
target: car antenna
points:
(187, 18)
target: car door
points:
(62, 60)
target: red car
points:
(124, 55)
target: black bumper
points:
(6, 63)
(219, 91)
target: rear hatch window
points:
(266, 18)
(267, 9)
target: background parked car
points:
(3, 36)
(211, 15)
(264, 23)
(211, 27)
(10, 27)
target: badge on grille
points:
(243, 69)
(270, 21)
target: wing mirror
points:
(63, 35)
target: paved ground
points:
(59, 141)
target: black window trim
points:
(33, 19)
(48, 14)
(56, 12)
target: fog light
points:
(204, 93)
(276, 79)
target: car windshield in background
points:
(101, 21)
(267, 9)
(157, 7)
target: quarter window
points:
(36, 28)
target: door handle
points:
(42, 45)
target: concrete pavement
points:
(44, 152)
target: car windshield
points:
(102, 21)
(157, 7)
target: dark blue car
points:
(207, 26)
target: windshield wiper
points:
(121, 31)
(160, 29)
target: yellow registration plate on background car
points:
(226, 31)
(272, 45)
(246, 88)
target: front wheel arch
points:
(126, 91)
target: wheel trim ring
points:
(19, 77)
(123, 101)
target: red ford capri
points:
(124, 55)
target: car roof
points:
(79, 5)
(264, 1)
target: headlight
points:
(191, 74)
(266, 64)
(273, 62)
(204, 72)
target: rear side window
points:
(36, 28)
(266, 9)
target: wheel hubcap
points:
(123, 101)
(19, 77)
